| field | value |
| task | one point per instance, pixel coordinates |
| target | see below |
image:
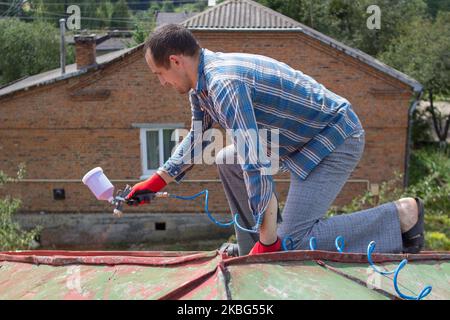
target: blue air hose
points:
(220, 224)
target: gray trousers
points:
(308, 201)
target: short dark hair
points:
(170, 39)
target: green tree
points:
(434, 6)
(168, 6)
(89, 18)
(12, 237)
(395, 17)
(121, 16)
(144, 23)
(49, 11)
(9, 7)
(346, 20)
(28, 48)
(423, 52)
(198, 6)
(155, 6)
(105, 12)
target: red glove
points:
(259, 247)
(152, 184)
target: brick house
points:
(109, 111)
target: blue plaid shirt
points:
(246, 91)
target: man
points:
(320, 142)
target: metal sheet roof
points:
(213, 275)
(56, 75)
(172, 17)
(241, 14)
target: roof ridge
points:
(274, 12)
(207, 11)
(285, 19)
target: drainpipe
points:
(411, 110)
(62, 48)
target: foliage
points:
(438, 240)
(420, 133)
(198, 6)
(346, 20)
(434, 6)
(423, 52)
(104, 12)
(141, 31)
(167, 6)
(12, 237)
(28, 48)
(121, 15)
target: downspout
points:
(411, 110)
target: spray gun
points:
(103, 189)
(121, 195)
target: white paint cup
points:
(99, 184)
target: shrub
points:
(12, 237)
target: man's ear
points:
(175, 59)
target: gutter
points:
(411, 110)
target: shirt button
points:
(176, 172)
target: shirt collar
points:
(201, 81)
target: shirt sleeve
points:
(233, 98)
(190, 150)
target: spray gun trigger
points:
(141, 198)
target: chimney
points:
(85, 46)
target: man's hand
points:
(152, 185)
(260, 247)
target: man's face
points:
(175, 76)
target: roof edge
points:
(76, 73)
(366, 58)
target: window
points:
(157, 145)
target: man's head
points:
(171, 52)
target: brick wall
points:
(62, 130)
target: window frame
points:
(144, 128)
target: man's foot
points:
(411, 213)
(408, 213)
